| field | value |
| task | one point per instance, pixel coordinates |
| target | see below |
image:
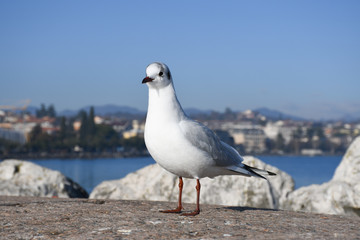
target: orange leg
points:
(179, 208)
(197, 210)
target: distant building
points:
(18, 128)
(98, 120)
(136, 131)
(12, 135)
(311, 152)
(253, 139)
(77, 125)
(2, 116)
(273, 129)
(251, 136)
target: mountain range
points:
(103, 110)
(120, 110)
(276, 115)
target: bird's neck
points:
(164, 105)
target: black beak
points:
(147, 79)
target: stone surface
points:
(341, 195)
(154, 183)
(46, 218)
(349, 169)
(22, 178)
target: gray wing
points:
(224, 155)
(206, 140)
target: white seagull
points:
(181, 145)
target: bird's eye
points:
(161, 73)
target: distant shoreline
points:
(91, 155)
(77, 155)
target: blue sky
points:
(299, 57)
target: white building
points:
(12, 135)
(272, 129)
(251, 136)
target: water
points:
(305, 170)
(91, 172)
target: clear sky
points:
(299, 57)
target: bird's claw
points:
(177, 210)
(194, 213)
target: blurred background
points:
(270, 77)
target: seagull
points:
(182, 146)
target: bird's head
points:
(157, 75)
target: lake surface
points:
(91, 172)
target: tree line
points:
(90, 137)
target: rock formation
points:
(154, 183)
(22, 178)
(341, 195)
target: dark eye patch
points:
(168, 74)
(161, 73)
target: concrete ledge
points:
(47, 218)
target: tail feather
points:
(246, 170)
(258, 172)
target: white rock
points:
(22, 178)
(349, 168)
(154, 183)
(341, 195)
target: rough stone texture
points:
(349, 169)
(154, 183)
(341, 195)
(22, 178)
(46, 218)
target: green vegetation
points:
(49, 111)
(7, 147)
(90, 138)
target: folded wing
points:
(223, 155)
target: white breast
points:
(173, 152)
